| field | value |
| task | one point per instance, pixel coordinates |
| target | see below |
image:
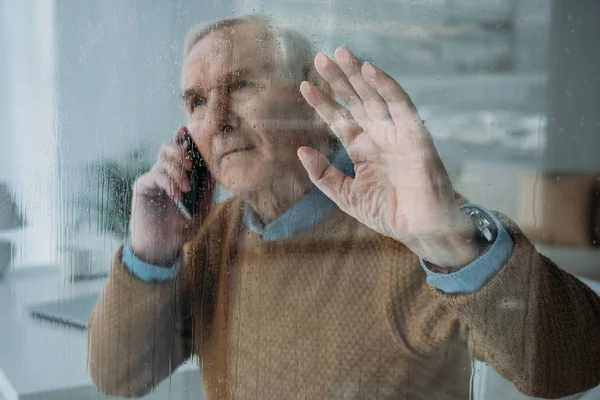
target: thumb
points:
(334, 183)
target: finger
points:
(179, 138)
(177, 175)
(154, 183)
(373, 104)
(333, 113)
(163, 180)
(172, 153)
(169, 186)
(330, 180)
(398, 101)
(180, 135)
(144, 185)
(338, 80)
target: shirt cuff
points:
(148, 272)
(475, 275)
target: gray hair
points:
(295, 53)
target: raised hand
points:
(401, 188)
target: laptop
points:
(74, 311)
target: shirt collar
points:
(308, 211)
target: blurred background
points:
(510, 90)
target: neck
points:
(283, 192)
(270, 202)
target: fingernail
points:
(369, 70)
(321, 59)
(302, 153)
(342, 49)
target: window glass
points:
(323, 199)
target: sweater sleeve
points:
(473, 276)
(148, 272)
(139, 332)
(536, 324)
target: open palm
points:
(401, 188)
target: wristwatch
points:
(487, 231)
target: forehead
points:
(245, 47)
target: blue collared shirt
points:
(311, 209)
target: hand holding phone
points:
(165, 214)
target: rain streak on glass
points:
(299, 199)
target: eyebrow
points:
(193, 92)
(189, 94)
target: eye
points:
(196, 102)
(241, 84)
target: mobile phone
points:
(190, 203)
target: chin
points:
(241, 180)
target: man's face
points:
(244, 116)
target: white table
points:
(42, 360)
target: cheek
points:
(276, 111)
(279, 128)
(275, 144)
(204, 143)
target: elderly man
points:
(342, 266)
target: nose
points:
(221, 118)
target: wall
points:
(4, 127)
(574, 89)
(110, 78)
(30, 148)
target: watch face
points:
(487, 234)
(484, 223)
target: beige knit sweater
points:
(340, 312)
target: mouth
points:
(229, 152)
